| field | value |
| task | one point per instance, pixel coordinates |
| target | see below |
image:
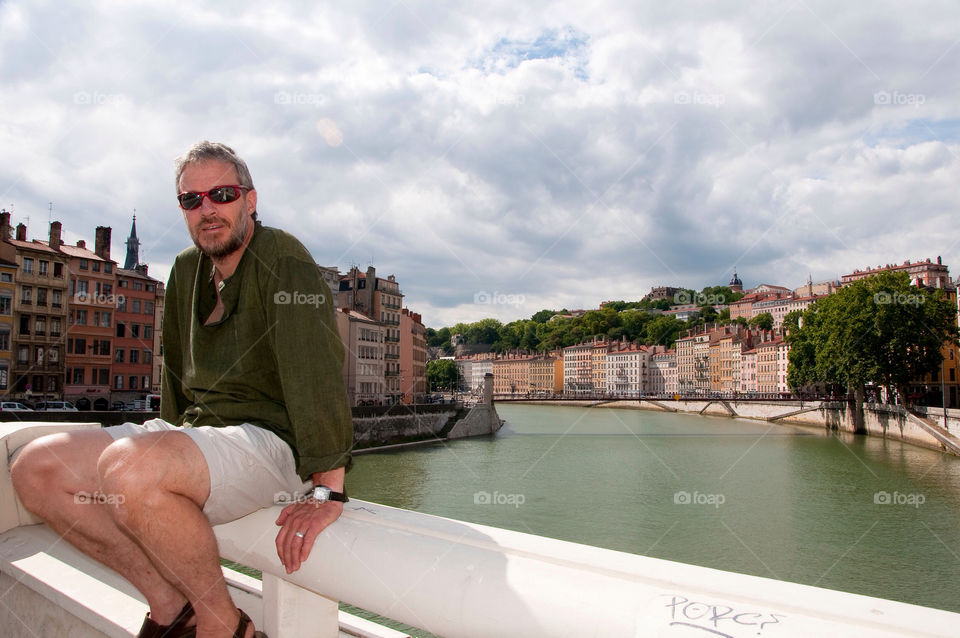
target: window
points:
(138, 285)
(133, 383)
(104, 346)
(136, 306)
(53, 356)
(24, 324)
(148, 332)
(38, 355)
(121, 329)
(122, 283)
(135, 330)
(84, 264)
(28, 265)
(44, 268)
(105, 319)
(4, 376)
(80, 345)
(119, 355)
(145, 383)
(103, 376)
(82, 286)
(23, 354)
(81, 317)
(55, 327)
(6, 305)
(58, 271)
(118, 382)
(96, 266)
(151, 288)
(41, 296)
(4, 339)
(107, 289)
(56, 298)
(108, 268)
(26, 296)
(41, 325)
(134, 356)
(52, 384)
(6, 277)
(78, 376)
(121, 304)
(147, 356)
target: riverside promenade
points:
(921, 426)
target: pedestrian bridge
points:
(448, 577)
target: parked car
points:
(13, 406)
(49, 406)
(118, 405)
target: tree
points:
(878, 329)
(764, 321)
(442, 374)
(664, 330)
(542, 316)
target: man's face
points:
(218, 230)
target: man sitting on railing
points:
(253, 405)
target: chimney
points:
(6, 232)
(141, 268)
(21, 232)
(102, 242)
(55, 228)
(371, 288)
(80, 243)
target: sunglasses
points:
(217, 195)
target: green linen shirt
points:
(273, 360)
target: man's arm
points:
(309, 518)
(172, 400)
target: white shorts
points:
(249, 466)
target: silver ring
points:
(299, 534)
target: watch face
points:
(321, 493)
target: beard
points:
(225, 247)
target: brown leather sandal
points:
(245, 621)
(177, 629)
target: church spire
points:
(133, 246)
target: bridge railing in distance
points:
(454, 578)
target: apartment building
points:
(363, 362)
(511, 375)
(934, 274)
(482, 365)
(663, 371)
(92, 308)
(39, 312)
(413, 358)
(546, 374)
(598, 365)
(626, 372)
(578, 369)
(135, 334)
(8, 290)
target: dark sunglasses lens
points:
(225, 194)
(189, 201)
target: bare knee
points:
(38, 472)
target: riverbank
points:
(924, 427)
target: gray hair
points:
(215, 151)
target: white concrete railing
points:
(461, 579)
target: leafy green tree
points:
(764, 321)
(543, 316)
(879, 329)
(664, 330)
(442, 374)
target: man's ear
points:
(251, 200)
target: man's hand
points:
(309, 518)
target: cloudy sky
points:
(503, 157)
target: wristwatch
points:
(322, 494)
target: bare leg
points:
(164, 481)
(48, 474)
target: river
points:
(852, 513)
